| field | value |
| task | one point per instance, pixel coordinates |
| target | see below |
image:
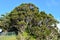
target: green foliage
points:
(30, 22)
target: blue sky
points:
(49, 6)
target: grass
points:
(25, 35)
(14, 37)
(6, 37)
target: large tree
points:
(28, 18)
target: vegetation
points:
(12, 37)
(30, 24)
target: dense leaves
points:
(27, 18)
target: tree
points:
(28, 18)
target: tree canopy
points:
(27, 18)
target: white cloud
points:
(58, 25)
(0, 30)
